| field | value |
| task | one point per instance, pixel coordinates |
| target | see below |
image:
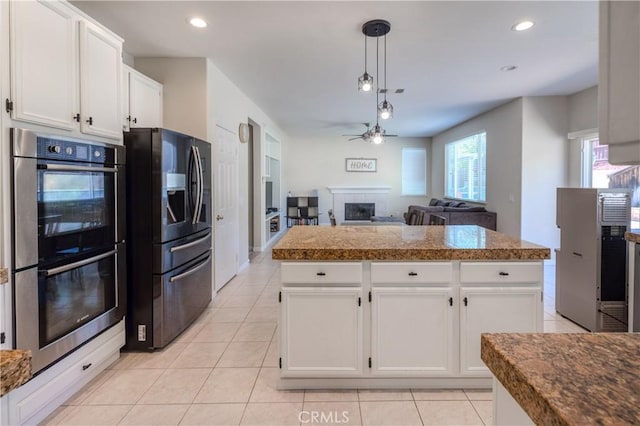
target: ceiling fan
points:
(368, 134)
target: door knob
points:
(218, 217)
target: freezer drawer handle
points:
(190, 271)
(191, 244)
(74, 265)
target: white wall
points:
(583, 115)
(504, 161)
(184, 92)
(313, 164)
(544, 166)
(229, 107)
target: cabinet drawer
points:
(500, 272)
(325, 273)
(411, 272)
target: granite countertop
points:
(403, 243)
(15, 369)
(563, 379)
(4, 275)
(633, 235)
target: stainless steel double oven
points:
(68, 267)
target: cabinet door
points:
(412, 331)
(124, 99)
(44, 63)
(100, 82)
(145, 101)
(321, 332)
(494, 310)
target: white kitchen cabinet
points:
(321, 332)
(100, 82)
(619, 81)
(43, 56)
(515, 309)
(65, 70)
(412, 331)
(142, 104)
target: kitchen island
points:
(401, 306)
(563, 379)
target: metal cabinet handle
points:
(413, 274)
(90, 121)
(320, 274)
(135, 120)
(503, 274)
(86, 366)
(575, 253)
(218, 217)
(77, 117)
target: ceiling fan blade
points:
(391, 136)
(353, 135)
(353, 139)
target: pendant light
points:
(365, 81)
(385, 109)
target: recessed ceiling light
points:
(522, 26)
(198, 22)
(508, 68)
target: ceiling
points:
(300, 60)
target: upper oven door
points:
(65, 198)
(76, 210)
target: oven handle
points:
(191, 244)
(190, 271)
(71, 168)
(77, 264)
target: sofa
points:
(454, 213)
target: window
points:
(598, 173)
(414, 171)
(466, 168)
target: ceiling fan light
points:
(365, 82)
(385, 110)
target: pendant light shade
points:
(365, 82)
(385, 110)
(377, 137)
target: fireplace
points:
(359, 211)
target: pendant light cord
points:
(365, 53)
(385, 67)
(378, 74)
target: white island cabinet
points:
(393, 307)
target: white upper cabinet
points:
(66, 70)
(143, 100)
(619, 80)
(100, 82)
(44, 63)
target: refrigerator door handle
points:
(196, 162)
(190, 271)
(201, 180)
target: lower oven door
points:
(180, 296)
(58, 310)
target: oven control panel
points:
(63, 150)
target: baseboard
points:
(244, 266)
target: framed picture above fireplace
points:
(361, 164)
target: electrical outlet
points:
(142, 333)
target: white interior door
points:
(226, 207)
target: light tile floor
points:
(223, 370)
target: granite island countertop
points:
(403, 243)
(15, 369)
(565, 379)
(633, 236)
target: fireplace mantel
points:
(380, 189)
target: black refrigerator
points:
(168, 234)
